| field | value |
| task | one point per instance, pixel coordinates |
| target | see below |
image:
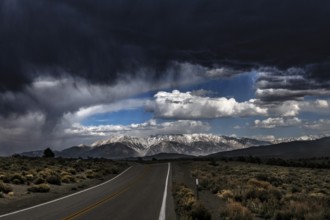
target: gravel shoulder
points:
(182, 174)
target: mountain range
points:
(287, 150)
(119, 147)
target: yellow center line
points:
(109, 197)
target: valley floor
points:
(238, 190)
(241, 190)
(25, 182)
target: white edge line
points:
(73, 194)
(163, 208)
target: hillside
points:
(294, 149)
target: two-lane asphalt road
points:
(141, 192)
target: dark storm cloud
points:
(101, 40)
(275, 85)
(319, 72)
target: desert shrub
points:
(43, 188)
(5, 178)
(54, 179)
(29, 177)
(65, 179)
(72, 171)
(63, 173)
(226, 194)
(213, 162)
(186, 204)
(80, 177)
(39, 180)
(214, 188)
(263, 202)
(304, 207)
(284, 215)
(260, 194)
(199, 212)
(90, 174)
(259, 184)
(24, 168)
(98, 175)
(276, 193)
(37, 171)
(271, 179)
(114, 170)
(295, 189)
(68, 179)
(204, 182)
(185, 198)
(235, 211)
(5, 188)
(18, 179)
(269, 192)
(78, 168)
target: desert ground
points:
(29, 181)
(241, 190)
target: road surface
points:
(141, 192)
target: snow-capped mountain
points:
(301, 138)
(190, 144)
(137, 144)
(118, 147)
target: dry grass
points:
(5, 188)
(236, 211)
(42, 188)
(265, 191)
(187, 207)
(37, 173)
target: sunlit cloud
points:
(186, 105)
(151, 127)
(277, 122)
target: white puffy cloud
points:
(277, 122)
(264, 137)
(321, 124)
(221, 72)
(322, 103)
(294, 108)
(317, 106)
(285, 109)
(147, 128)
(84, 112)
(185, 105)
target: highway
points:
(140, 192)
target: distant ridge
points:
(119, 147)
(294, 149)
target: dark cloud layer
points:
(61, 56)
(102, 40)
